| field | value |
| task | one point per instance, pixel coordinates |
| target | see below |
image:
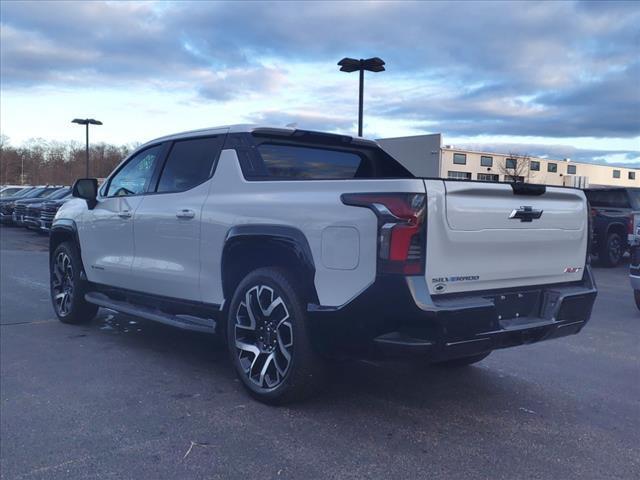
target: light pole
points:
(349, 65)
(86, 122)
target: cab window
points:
(189, 164)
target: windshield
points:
(47, 192)
(63, 192)
(9, 191)
(634, 195)
(22, 193)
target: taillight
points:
(630, 225)
(401, 229)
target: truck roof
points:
(255, 128)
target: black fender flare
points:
(283, 235)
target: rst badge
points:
(572, 269)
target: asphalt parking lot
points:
(127, 399)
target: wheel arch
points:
(63, 230)
(618, 228)
(248, 247)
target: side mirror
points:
(86, 188)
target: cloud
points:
(555, 69)
(622, 158)
(304, 120)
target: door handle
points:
(186, 213)
(124, 214)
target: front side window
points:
(304, 163)
(189, 163)
(632, 175)
(552, 167)
(535, 166)
(460, 158)
(511, 163)
(134, 177)
(486, 161)
(571, 169)
(616, 174)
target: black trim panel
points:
(289, 235)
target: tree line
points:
(41, 162)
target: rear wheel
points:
(636, 296)
(611, 250)
(67, 287)
(268, 338)
(462, 362)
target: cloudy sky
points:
(544, 78)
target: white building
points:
(425, 156)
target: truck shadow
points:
(354, 386)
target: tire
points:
(636, 296)
(67, 287)
(266, 323)
(462, 362)
(611, 250)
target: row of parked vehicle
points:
(32, 206)
(612, 218)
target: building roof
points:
(552, 160)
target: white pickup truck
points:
(296, 245)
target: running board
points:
(185, 322)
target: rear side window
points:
(304, 163)
(189, 163)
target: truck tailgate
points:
(483, 236)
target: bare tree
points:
(39, 161)
(516, 168)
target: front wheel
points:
(67, 287)
(268, 338)
(636, 296)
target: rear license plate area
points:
(517, 304)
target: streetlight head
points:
(349, 65)
(86, 121)
(374, 64)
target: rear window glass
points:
(635, 199)
(608, 198)
(301, 162)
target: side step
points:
(185, 322)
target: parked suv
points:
(295, 245)
(611, 210)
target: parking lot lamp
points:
(349, 65)
(86, 122)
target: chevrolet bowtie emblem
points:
(525, 214)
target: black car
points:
(48, 210)
(18, 208)
(7, 204)
(611, 210)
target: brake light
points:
(401, 229)
(630, 228)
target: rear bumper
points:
(452, 326)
